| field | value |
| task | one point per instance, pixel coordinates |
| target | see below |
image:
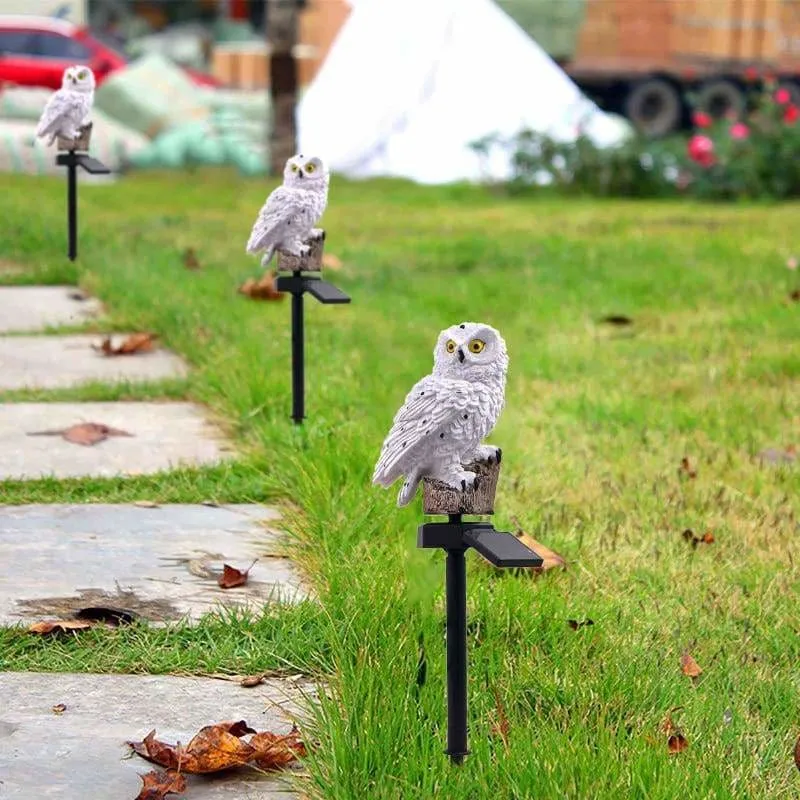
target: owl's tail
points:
(409, 488)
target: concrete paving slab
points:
(81, 753)
(160, 563)
(164, 435)
(34, 308)
(53, 362)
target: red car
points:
(35, 51)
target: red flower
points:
(701, 119)
(701, 150)
(751, 74)
(739, 131)
(791, 115)
(782, 97)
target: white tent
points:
(408, 84)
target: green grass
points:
(596, 424)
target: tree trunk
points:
(282, 24)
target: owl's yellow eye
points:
(476, 345)
(294, 167)
(310, 168)
(450, 346)
(82, 75)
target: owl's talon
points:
(463, 485)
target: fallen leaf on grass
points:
(251, 680)
(220, 747)
(157, 785)
(48, 626)
(133, 344)
(550, 559)
(262, 289)
(617, 319)
(232, 577)
(676, 741)
(795, 295)
(689, 666)
(330, 261)
(706, 538)
(791, 263)
(84, 433)
(575, 624)
(60, 708)
(190, 259)
(686, 469)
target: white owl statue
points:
(70, 107)
(292, 210)
(446, 415)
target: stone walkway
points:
(80, 753)
(160, 563)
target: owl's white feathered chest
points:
(483, 409)
(311, 206)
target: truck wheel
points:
(721, 97)
(654, 107)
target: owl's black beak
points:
(461, 355)
(300, 173)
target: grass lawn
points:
(597, 421)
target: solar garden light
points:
(298, 275)
(74, 153)
(455, 537)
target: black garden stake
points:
(73, 154)
(298, 275)
(455, 537)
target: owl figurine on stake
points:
(448, 413)
(69, 109)
(288, 217)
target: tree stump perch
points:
(308, 263)
(438, 498)
(81, 144)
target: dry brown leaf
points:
(49, 626)
(686, 468)
(262, 289)
(60, 708)
(689, 666)
(220, 747)
(706, 538)
(190, 260)
(232, 577)
(797, 753)
(273, 751)
(795, 295)
(84, 433)
(157, 785)
(677, 743)
(330, 261)
(575, 624)
(251, 680)
(133, 344)
(550, 559)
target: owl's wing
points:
(432, 405)
(60, 104)
(281, 207)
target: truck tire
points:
(654, 107)
(720, 97)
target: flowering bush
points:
(756, 157)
